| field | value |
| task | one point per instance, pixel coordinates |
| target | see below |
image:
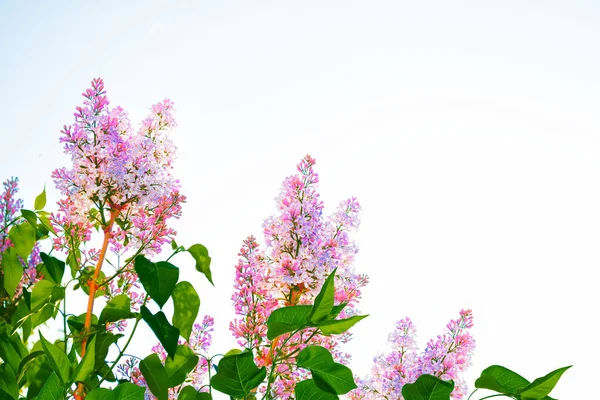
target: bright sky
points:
(469, 132)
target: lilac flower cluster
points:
(10, 206)
(446, 357)
(302, 249)
(118, 174)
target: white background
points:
(468, 130)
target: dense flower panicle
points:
(251, 298)
(302, 247)
(116, 169)
(200, 341)
(9, 203)
(446, 357)
(10, 206)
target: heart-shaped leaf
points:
(428, 387)
(129, 391)
(190, 393)
(119, 307)
(159, 279)
(180, 365)
(328, 375)
(308, 390)
(238, 375)
(186, 304)
(501, 380)
(22, 237)
(155, 376)
(166, 333)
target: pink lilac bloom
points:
(200, 341)
(446, 357)
(119, 173)
(302, 247)
(10, 206)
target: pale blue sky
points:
(468, 130)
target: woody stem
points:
(93, 285)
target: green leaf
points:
(339, 326)
(101, 394)
(501, 380)
(159, 279)
(428, 387)
(30, 216)
(190, 393)
(37, 372)
(541, 387)
(23, 238)
(22, 311)
(52, 389)
(73, 258)
(129, 391)
(40, 200)
(54, 267)
(233, 352)
(26, 361)
(12, 350)
(238, 375)
(155, 376)
(308, 390)
(103, 342)
(45, 221)
(105, 373)
(58, 361)
(166, 333)
(200, 254)
(119, 307)
(8, 383)
(287, 319)
(42, 307)
(324, 300)
(41, 293)
(86, 366)
(181, 365)
(13, 270)
(328, 375)
(186, 304)
(42, 315)
(336, 310)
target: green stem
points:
(137, 321)
(472, 393)
(122, 269)
(65, 319)
(275, 360)
(289, 355)
(10, 223)
(177, 251)
(496, 395)
(208, 361)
